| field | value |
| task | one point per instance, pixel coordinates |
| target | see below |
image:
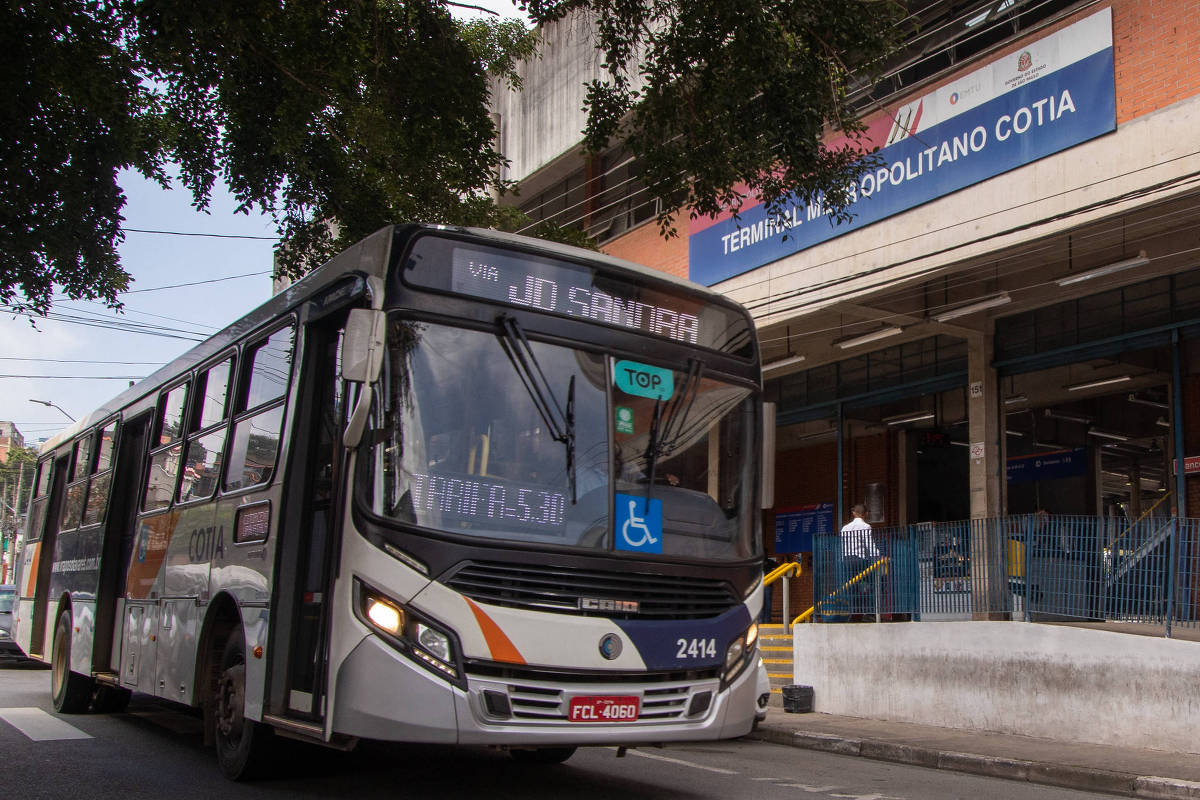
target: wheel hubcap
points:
(230, 697)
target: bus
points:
(453, 486)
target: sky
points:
(77, 365)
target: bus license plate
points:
(604, 709)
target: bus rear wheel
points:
(71, 692)
(543, 755)
(241, 743)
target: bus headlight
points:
(737, 654)
(436, 642)
(384, 615)
(410, 633)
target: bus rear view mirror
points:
(362, 345)
(362, 357)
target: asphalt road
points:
(156, 751)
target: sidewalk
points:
(1125, 771)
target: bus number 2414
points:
(696, 648)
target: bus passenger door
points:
(120, 530)
(40, 561)
(300, 628)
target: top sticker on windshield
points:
(643, 380)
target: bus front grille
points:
(591, 592)
(543, 696)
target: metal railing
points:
(1035, 567)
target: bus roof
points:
(369, 257)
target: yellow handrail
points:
(882, 562)
(780, 571)
(1112, 542)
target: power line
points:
(203, 235)
(198, 283)
(149, 364)
(80, 377)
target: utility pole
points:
(10, 543)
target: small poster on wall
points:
(876, 503)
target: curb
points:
(1061, 775)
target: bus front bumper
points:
(381, 694)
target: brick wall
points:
(1156, 46)
(645, 245)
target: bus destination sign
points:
(559, 289)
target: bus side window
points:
(72, 512)
(97, 493)
(164, 457)
(257, 425)
(206, 445)
(41, 491)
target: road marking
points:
(810, 789)
(40, 726)
(682, 763)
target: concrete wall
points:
(1047, 681)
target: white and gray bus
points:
(454, 486)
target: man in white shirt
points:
(858, 553)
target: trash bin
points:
(797, 699)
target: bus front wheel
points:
(241, 743)
(72, 692)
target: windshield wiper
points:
(666, 424)
(560, 423)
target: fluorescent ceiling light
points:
(1137, 261)
(786, 361)
(875, 335)
(906, 418)
(962, 311)
(1106, 435)
(1068, 417)
(1162, 422)
(1017, 434)
(1075, 387)
(1016, 398)
(1142, 401)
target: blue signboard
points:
(1055, 95)
(1047, 466)
(795, 526)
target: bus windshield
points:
(475, 439)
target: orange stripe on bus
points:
(31, 578)
(501, 646)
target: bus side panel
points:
(183, 600)
(27, 569)
(243, 571)
(144, 583)
(75, 574)
(179, 626)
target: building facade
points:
(1010, 324)
(10, 437)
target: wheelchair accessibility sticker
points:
(639, 524)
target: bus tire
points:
(542, 755)
(71, 692)
(242, 743)
(110, 699)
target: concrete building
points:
(10, 437)
(1032, 232)
(1012, 321)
